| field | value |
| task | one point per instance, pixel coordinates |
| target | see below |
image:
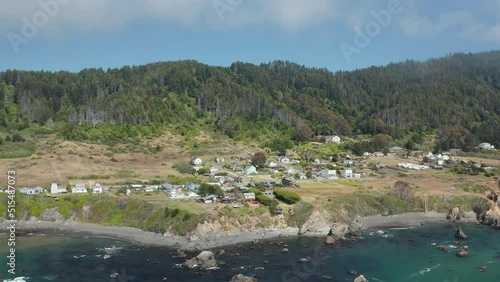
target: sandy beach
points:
(411, 219)
(167, 240)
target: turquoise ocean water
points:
(388, 255)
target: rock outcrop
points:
(315, 223)
(443, 249)
(361, 278)
(337, 233)
(456, 214)
(459, 234)
(243, 278)
(204, 260)
(491, 217)
(491, 195)
(51, 214)
(356, 226)
(463, 252)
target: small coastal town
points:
(247, 141)
(237, 177)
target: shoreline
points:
(141, 237)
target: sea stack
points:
(361, 278)
(243, 278)
(463, 252)
(459, 234)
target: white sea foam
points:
(381, 233)
(425, 270)
(378, 280)
(18, 279)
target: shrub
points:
(184, 168)
(203, 170)
(287, 196)
(402, 191)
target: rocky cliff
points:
(491, 216)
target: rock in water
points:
(463, 252)
(492, 216)
(356, 226)
(337, 233)
(361, 278)
(443, 248)
(221, 252)
(459, 234)
(455, 214)
(204, 260)
(243, 278)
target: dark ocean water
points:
(398, 255)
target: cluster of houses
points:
(413, 166)
(55, 189)
(227, 198)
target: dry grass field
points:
(68, 162)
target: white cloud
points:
(297, 14)
(113, 14)
(288, 15)
(463, 24)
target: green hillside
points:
(459, 93)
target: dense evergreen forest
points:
(455, 95)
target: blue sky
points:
(76, 34)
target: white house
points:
(97, 188)
(176, 193)
(249, 197)
(290, 170)
(271, 164)
(321, 162)
(136, 187)
(347, 173)
(269, 194)
(428, 154)
(38, 190)
(56, 189)
(284, 159)
(378, 154)
(329, 174)
(348, 162)
(79, 189)
(149, 189)
(334, 139)
(250, 170)
(27, 191)
(486, 146)
(196, 161)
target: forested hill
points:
(461, 90)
